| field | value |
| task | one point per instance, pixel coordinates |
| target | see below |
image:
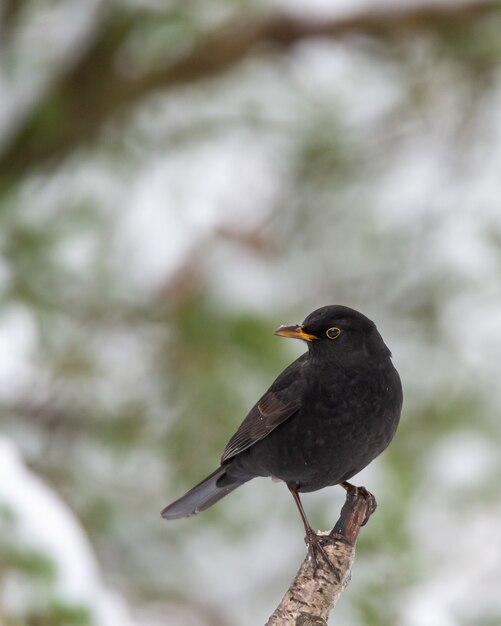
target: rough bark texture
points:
(312, 595)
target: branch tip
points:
(314, 593)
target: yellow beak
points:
(296, 332)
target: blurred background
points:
(176, 180)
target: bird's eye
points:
(333, 333)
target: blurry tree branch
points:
(8, 15)
(311, 597)
(94, 89)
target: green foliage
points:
(36, 574)
(31, 563)
(208, 344)
(476, 46)
(135, 389)
(15, 556)
(55, 614)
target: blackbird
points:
(325, 418)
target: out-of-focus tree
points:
(178, 179)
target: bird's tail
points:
(201, 497)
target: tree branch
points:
(90, 93)
(8, 15)
(311, 597)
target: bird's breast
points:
(346, 419)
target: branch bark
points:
(94, 90)
(312, 596)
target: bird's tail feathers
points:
(202, 496)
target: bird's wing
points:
(280, 402)
(264, 417)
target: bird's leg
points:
(315, 546)
(352, 490)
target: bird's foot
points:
(317, 550)
(354, 491)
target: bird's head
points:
(337, 328)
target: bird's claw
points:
(353, 491)
(316, 549)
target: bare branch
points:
(311, 597)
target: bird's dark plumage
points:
(325, 418)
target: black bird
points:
(325, 418)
